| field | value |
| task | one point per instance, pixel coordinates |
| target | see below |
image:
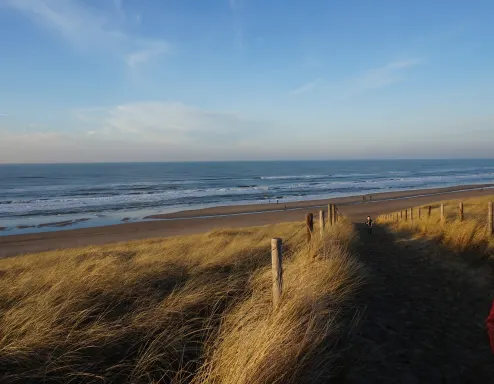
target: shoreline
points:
(230, 210)
(203, 220)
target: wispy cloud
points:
(165, 122)
(91, 28)
(3, 115)
(147, 52)
(143, 131)
(307, 87)
(391, 73)
(119, 9)
(403, 64)
(238, 29)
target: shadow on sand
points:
(425, 314)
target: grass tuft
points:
(467, 236)
(186, 309)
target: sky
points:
(183, 80)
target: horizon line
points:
(248, 161)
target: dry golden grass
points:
(185, 309)
(470, 235)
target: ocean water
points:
(85, 195)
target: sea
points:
(42, 197)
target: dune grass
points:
(185, 309)
(467, 236)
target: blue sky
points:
(174, 80)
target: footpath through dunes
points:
(425, 316)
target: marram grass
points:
(185, 309)
(470, 235)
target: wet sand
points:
(61, 224)
(274, 207)
(190, 222)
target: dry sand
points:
(190, 222)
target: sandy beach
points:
(197, 221)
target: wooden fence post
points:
(411, 215)
(490, 220)
(442, 213)
(321, 223)
(430, 210)
(330, 214)
(420, 213)
(309, 220)
(401, 214)
(277, 267)
(460, 211)
(335, 214)
(406, 214)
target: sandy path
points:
(425, 316)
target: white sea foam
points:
(231, 195)
(293, 177)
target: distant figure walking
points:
(368, 222)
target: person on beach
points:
(368, 222)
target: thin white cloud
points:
(91, 28)
(133, 132)
(146, 131)
(166, 122)
(391, 73)
(238, 29)
(403, 63)
(119, 8)
(307, 87)
(149, 51)
(3, 115)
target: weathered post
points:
(406, 214)
(277, 267)
(335, 214)
(401, 215)
(460, 211)
(430, 210)
(321, 223)
(330, 214)
(442, 213)
(411, 215)
(420, 213)
(309, 220)
(490, 220)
